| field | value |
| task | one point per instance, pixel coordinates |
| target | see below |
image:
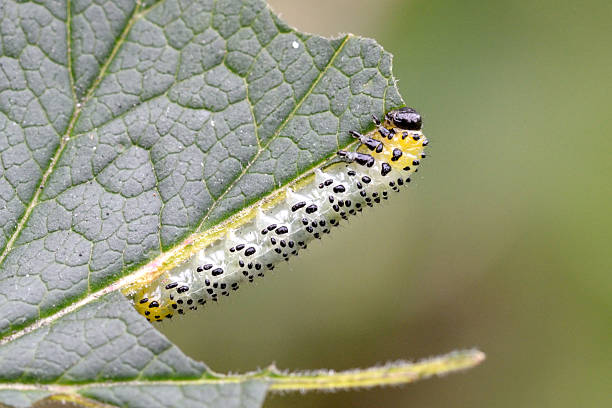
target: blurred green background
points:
(504, 240)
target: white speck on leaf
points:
(295, 45)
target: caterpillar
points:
(277, 227)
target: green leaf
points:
(126, 126)
(233, 391)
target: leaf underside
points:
(126, 126)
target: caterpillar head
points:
(405, 118)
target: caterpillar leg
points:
(359, 158)
(384, 132)
(370, 143)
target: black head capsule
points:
(405, 118)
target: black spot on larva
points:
(385, 169)
(283, 243)
(312, 208)
(153, 304)
(147, 313)
(331, 199)
(347, 203)
(314, 223)
(232, 249)
(189, 301)
(223, 286)
(366, 179)
(423, 155)
(282, 230)
(258, 266)
(397, 153)
(359, 185)
(277, 250)
(172, 285)
(199, 269)
(240, 247)
(416, 137)
(207, 282)
(245, 273)
(264, 231)
(425, 142)
(336, 208)
(143, 301)
(340, 203)
(250, 251)
(400, 182)
(216, 272)
(339, 189)
(407, 180)
(379, 148)
(297, 206)
(407, 168)
(174, 306)
(328, 182)
(180, 311)
(322, 223)
(182, 289)
(305, 221)
(216, 285)
(309, 229)
(351, 173)
(273, 240)
(271, 227)
(207, 266)
(415, 162)
(362, 193)
(241, 263)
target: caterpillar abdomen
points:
(281, 225)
